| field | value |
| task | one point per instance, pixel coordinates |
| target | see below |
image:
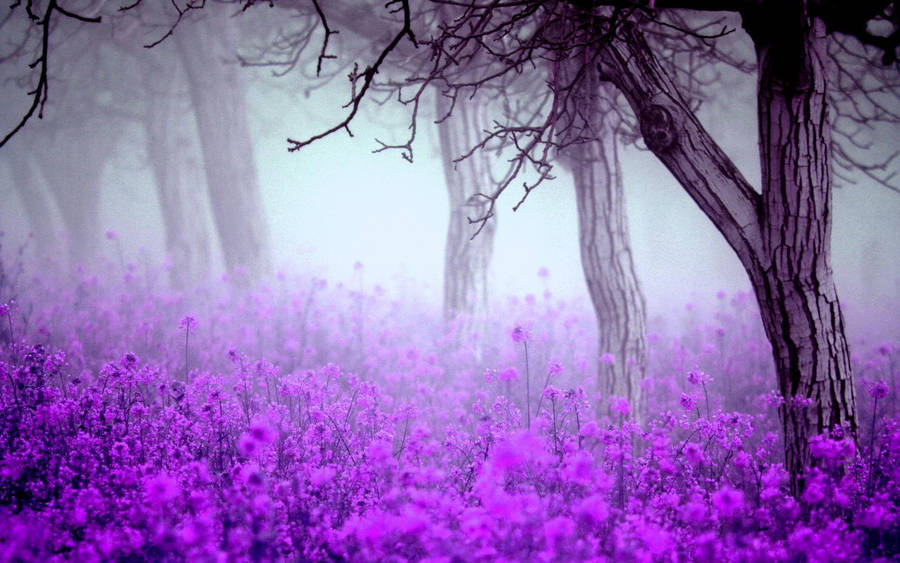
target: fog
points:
(335, 204)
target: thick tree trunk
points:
(466, 260)
(175, 169)
(606, 246)
(220, 108)
(781, 236)
(794, 285)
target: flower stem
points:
(187, 333)
(527, 388)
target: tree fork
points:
(781, 235)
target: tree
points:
(604, 241)
(782, 233)
(50, 151)
(466, 260)
(171, 152)
(28, 186)
(206, 46)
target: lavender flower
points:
(520, 334)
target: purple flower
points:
(187, 323)
(554, 368)
(608, 359)
(129, 361)
(520, 334)
(878, 389)
(619, 405)
(4, 309)
(697, 377)
(160, 489)
(551, 393)
(693, 453)
(247, 445)
(694, 511)
(543, 272)
(508, 374)
(688, 403)
(742, 460)
(815, 492)
(800, 403)
(728, 502)
(262, 432)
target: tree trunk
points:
(606, 246)
(794, 285)
(466, 261)
(175, 168)
(220, 107)
(35, 202)
(73, 172)
(781, 235)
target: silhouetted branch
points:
(39, 94)
(368, 75)
(328, 33)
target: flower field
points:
(306, 420)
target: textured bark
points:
(795, 286)
(604, 240)
(217, 92)
(781, 235)
(466, 260)
(175, 169)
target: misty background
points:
(334, 203)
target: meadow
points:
(302, 419)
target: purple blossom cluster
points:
(308, 422)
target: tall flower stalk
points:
(521, 335)
(187, 323)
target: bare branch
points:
(368, 75)
(39, 94)
(328, 33)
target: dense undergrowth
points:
(307, 421)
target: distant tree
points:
(466, 260)
(67, 150)
(174, 159)
(604, 241)
(29, 187)
(207, 44)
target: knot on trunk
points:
(657, 127)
